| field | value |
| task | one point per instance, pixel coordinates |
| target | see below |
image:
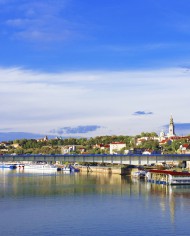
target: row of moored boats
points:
(40, 167)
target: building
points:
(116, 147)
(45, 139)
(101, 146)
(139, 141)
(162, 136)
(185, 148)
(171, 128)
(68, 149)
(170, 135)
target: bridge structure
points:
(131, 159)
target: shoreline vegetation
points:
(96, 145)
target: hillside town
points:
(145, 143)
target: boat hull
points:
(3, 166)
(49, 168)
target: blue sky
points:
(94, 67)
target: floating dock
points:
(168, 177)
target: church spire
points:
(171, 128)
(171, 120)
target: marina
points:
(39, 167)
(150, 174)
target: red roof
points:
(186, 145)
(170, 172)
(107, 146)
(164, 141)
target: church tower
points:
(171, 128)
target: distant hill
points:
(10, 136)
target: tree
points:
(150, 144)
(167, 148)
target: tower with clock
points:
(171, 128)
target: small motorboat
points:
(66, 169)
(10, 166)
(139, 174)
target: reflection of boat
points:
(168, 177)
(10, 166)
(41, 167)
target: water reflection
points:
(19, 183)
(49, 203)
(24, 183)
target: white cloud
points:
(40, 21)
(38, 102)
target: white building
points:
(171, 128)
(162, 136)
(171, 132)
(116, 147)
(68, 149)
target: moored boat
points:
(66, 169)
(69, 168)
(10, 166)
(41, 167)
(74, 169)
(138, 173)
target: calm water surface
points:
(90, 204)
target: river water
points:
(90, 204)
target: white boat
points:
(139, 174)
(69, 168)
(41, 167)
(66, 169)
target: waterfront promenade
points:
(98, 158)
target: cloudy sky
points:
(88, 68)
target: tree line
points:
(54, 146)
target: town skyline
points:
(167, 131)
(107, 68)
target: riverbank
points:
(106, 170)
